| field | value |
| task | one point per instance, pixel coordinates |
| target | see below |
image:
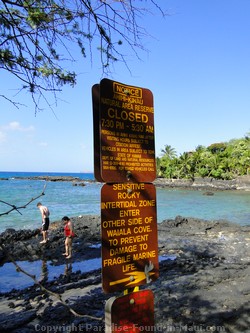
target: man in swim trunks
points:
(45, 221)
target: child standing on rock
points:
(69, 234)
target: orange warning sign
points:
(127, 144)
(131, 313)
(129, 235)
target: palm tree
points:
(185, 166)
(169, 152)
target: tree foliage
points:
(36, 37)
(225, 160)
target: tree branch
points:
(35, 36)
(21, 207)
(57, 296)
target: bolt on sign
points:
(129, 235)
(131, 313)
(127, 144)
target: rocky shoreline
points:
(49, 178)
(239, 183)
(205, 287)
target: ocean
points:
(63, 198)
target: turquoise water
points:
(233, 206)
(63, 198)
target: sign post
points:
(96, 130)
(124, 159)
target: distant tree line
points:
(225, 160)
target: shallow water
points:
(233, 206)
(43, 271)
(46, 271)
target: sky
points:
(197, 67)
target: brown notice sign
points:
(127, 144)
(131, 313)
(129, 235)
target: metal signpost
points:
(96, 130)
(124, 159)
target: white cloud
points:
(16, 126)
(9, 131)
